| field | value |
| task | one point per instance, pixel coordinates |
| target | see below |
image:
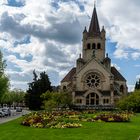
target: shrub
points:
(131, 102)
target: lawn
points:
(90, 131)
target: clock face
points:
(93, 80)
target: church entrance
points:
(92, 99)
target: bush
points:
(56, 100)
(131, 102)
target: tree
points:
(13, 97)
(131, 102)
(137, 85)
(4, 81)
(36, 88)
(56, 100)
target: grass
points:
(90, 131)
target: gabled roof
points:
(117, 75)
(97, 61)
(94, 28)
(69, 76)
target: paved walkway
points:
(12, 117)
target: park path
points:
(13, 117)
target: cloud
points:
(131, 88)
(18, 85)
(55, 30)
(45, 57)
(135, 55)
(67, 32)
(137, 65)
(122, 25)
(120, 53)
(11, 24)
(62, 27)
(2, 2)
(116, 66)
(138, 76)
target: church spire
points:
(94, 28)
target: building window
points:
(93, 80)
(64, 87)
(121, 88)
(79, 101)
(98, 46)
(106, 101)
(88, 46)
(92, 99)
(93, 46)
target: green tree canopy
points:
(14, 96)
(53, 100)
(131, 102)
(36, 88)
(137, 85)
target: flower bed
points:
(49, 120)
(113, 117)
(71, 119)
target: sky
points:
(46, 35)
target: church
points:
(94, 82)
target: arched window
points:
(88, 46)
(93, 46)
(92, 99)
(121, 88)
(98, 46)
(64, 87)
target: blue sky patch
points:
(15, 3)
(25, 40)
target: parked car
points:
(2, 114)
(6, 111)
(18, 109)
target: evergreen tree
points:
(4, 81)
(36, 89)
(137, 85)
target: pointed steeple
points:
(94, 28)
(85, 30)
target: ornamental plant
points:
(49, 120)
(71, 119)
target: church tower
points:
(94, 40)
(93, 82)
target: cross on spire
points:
(94, 3)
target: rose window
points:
(93, 80)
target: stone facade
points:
(93, 81)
